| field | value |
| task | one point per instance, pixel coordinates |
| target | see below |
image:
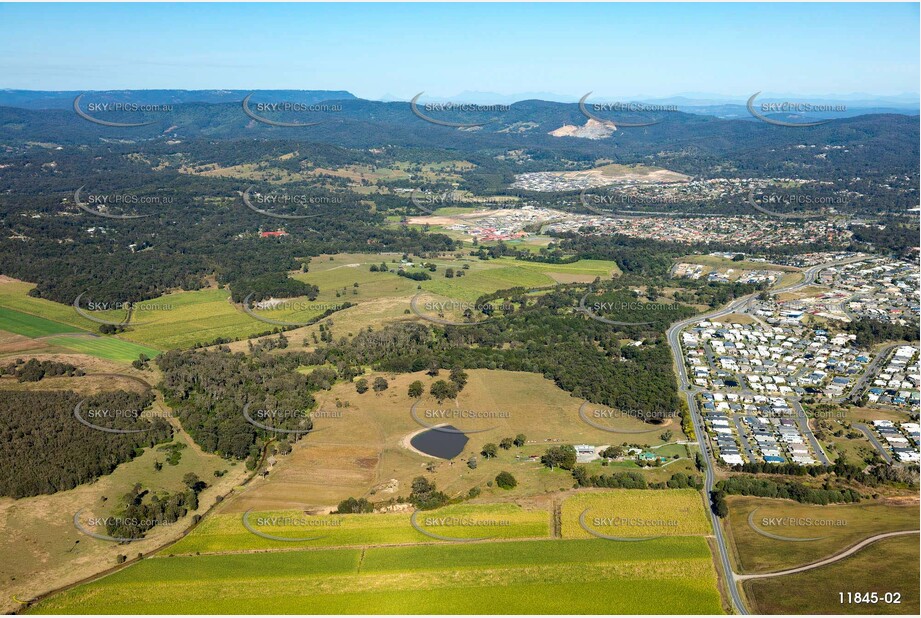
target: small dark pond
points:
(442, 444)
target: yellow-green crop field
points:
(226, 532)
(670, 576)
(60, 327)
(182, 319)
(635, 513)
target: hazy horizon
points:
(614, 50)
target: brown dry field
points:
(11, 344)
(351, 455)
(88, 384)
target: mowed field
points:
(519, 577)
(227, 533)
(835, 528)
(887, 566)
(360, 448)
(30, 325)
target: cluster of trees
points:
(871, 332)
(208, 391)
(143, 510)
(449, 389)
(415, 275)
(34, 370)
(563, 457)
(634, 480)
(425, 496)
(896, 236)
(505, 480)
(271, 285)
(617, 480)
(766, 488)
(354, 505)
(45, 449)
(379, 385)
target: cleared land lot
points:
(521, 577)
(836, 526)
(890, 565)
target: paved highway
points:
(674, 334)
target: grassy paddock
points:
(890, 565)
(836, 526)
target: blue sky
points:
(401, 49)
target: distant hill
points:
(64, 99)
(863, 146)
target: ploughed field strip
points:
(674, 575)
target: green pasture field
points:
(226, 532)
(519, 577)
(182, 319)
(15, 295)
(638, 513)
